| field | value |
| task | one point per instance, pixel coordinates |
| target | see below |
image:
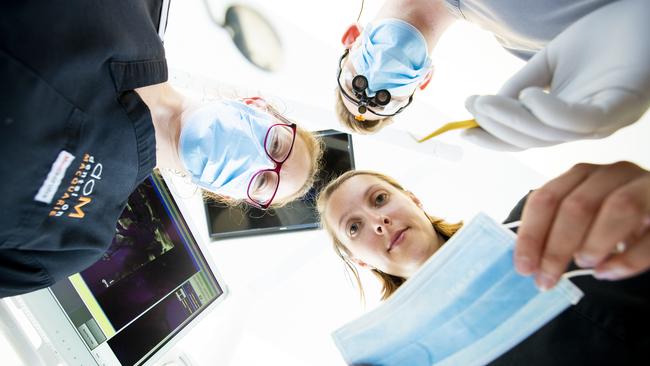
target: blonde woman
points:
(379, 226)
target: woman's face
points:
(226, 147)
(381, 226)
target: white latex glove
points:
(596, 72)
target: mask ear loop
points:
(578, 272)
(360, 10)
(567, 275)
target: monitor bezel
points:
(67, 341)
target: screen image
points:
(225, 221)
(150, 283)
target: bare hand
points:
(598, 215)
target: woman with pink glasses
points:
(235, 150)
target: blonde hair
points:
(390, 283)
(351, 124)
(315, 148)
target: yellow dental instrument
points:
(470, 123)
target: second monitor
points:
(226, 222)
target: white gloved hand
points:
(596, 72)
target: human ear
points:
(414, 198)
(427, 79)
(255, 101)
(351, 34)
(362, 264)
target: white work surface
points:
(289, 291)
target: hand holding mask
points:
(465, 306)
(598, 215)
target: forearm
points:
(430, 17)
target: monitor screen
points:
(152, 281)
(224, 221)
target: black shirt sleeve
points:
(76, 140)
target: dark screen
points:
(224, 221)
(151, 282)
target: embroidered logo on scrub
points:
(78, 194)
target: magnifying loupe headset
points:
(361, 99)
(380, 99)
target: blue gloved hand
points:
(590, 81)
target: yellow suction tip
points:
(457, 125)
(360, 118)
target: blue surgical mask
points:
(465, 306)
(222, 146)
(393, 56)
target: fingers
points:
(531, 235)
(575, 220)
(493, 109)
(633, 261)
(621, 215)
(538, 218)
(584, 214)
(537, 72)
(481, 111)
(622, 105)
(580, 120)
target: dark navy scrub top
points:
(75, 139)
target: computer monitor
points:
(225, 221)
(150, 286)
